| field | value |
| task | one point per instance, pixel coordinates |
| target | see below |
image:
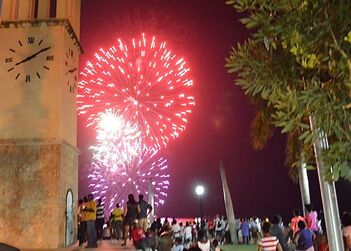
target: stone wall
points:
(34, 178)
(68, 180)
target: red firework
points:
(145, 82)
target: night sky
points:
(218, 130)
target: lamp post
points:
(199, 190)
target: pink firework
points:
(118, 141)
(145, 82)
(134, 178)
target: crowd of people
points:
(91, 220)
(302, 233)
(306, 232)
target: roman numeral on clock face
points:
(27, 78)
(30, 40)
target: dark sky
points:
(218, 129)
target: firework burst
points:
(134, 178)
(118, 141)
(144, 82)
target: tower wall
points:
(38, 154)
(35, 176)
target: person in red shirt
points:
(295, 220)
(137, 234)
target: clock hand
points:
(73, 70)
(32, 56)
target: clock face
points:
(29, 59)
(71, 70)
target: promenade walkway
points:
(106, 245)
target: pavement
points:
(108, 245)
(105, 245)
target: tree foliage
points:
(298, 61)
(261, 126)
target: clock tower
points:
(39, 52)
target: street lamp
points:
(199, 190)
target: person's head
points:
(194, 248)
(266, 226)
(131, 198)
(99, 201)
(90, 197)
(141, 197)
(80, 202)
(346, 219)
(277, 219)
(117, 205)
(135, 224)
(187, 224)
(297, 212)
(309, 207)
(201, 235)
(166, 228)
(178, 240)
(301, 225)
(215, 243)
(85, 199)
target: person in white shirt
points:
(225, 228)
(181, 232)
(175, 229)
(215, 245)
(220, 227)
(203, 243)
(217, 227)
(187, 233)
(178, 245)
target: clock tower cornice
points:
(44, 22)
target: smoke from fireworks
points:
(134, 177)
(144, 82)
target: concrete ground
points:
(108, 245)
(105, 245)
